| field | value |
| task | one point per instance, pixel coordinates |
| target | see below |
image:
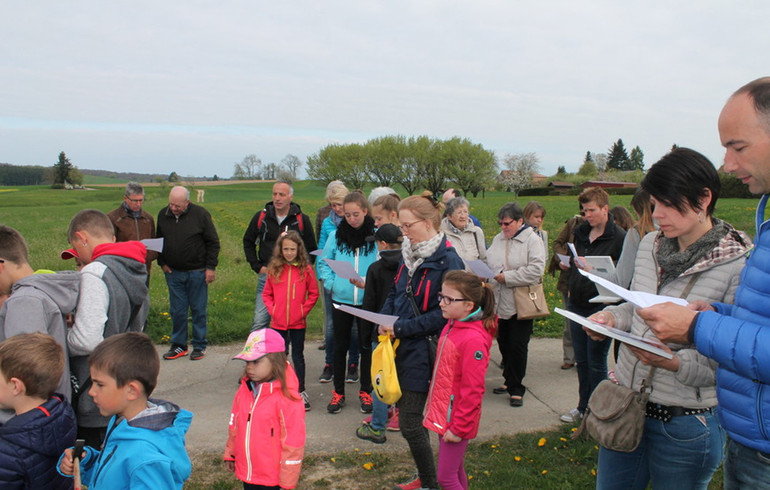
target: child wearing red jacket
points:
(453, 409)
(266, 439)
(290, 292)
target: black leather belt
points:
(665, 412)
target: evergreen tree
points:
(588, 158)
(618, 159)
(562, 170)
(62, 169)
(637, 159)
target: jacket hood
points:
(45, 429)
(166, 422)
(390, 259)
(63, 288)
(131, 250)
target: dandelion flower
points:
(368, 466)
(517, 458)
(562, 439)
(541, 442)
(333, 460)
(593, 472)
(544, 472)
(367, 453)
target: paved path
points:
(206, 388)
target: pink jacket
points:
(290, 299)
(266, 436)
(457, 387)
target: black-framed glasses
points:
(408, 226)
(448, 299)
(505, 223)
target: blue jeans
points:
(261, 316)
(746, 467)
(380, 412)
(682, 453)
(188, 290)
(353, 354)
(296, 338)
(590, 356)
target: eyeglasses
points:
(448, 300)
(505, 223)
(407, 226)
(135, 200)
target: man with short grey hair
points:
(189, 258)
(131, 222)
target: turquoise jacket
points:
(342, 290)
(146, 452)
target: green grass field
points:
(42, 215)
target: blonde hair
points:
(424, 208)
(336, 191)
(277, 261)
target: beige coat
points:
(524, 266)
(469, 243)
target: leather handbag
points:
(530, 302)
(615, 416)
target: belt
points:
(665, 412)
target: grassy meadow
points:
(42, 215)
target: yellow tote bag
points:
(384, 376)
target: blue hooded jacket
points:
(31, 443)
(146, 452)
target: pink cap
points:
(69, 254)
(261, 342)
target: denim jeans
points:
(261, 316)
(380, 412)
(682, 453)
(296, 338)
(746, 467)
(590, 356)
(353, 354)
(188, 290)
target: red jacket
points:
(457, 387)
(266, 437)
(290, 299)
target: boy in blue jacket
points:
(31, 365)
(144, 446)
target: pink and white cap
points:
(261, 342)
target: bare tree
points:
(520, 169)
(292, 164)
(250, 167)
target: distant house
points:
(607, 184)
(561, 187)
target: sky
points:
(193, 87)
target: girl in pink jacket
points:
(457, 388)
(266, 436)
(291, 291)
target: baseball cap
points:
(388, 233)
(70, 253)
(261, 342)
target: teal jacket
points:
(146, 452)
(342, 290)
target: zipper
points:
(439, 352)
(355, 289)
(103, 464)
(247, 442)
(760, 419)
(449, 412)
(425, 296)
(289, 295)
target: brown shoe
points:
(567, 365)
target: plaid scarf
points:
(415, 254)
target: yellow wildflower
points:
(517, 458)
(541, 442)
(368, 466)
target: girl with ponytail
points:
(453, 410)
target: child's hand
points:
(230, 465)
(450, 437)
(357, 283)
(67, 466)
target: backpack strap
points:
(261, 219)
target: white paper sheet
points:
(638, 298)
(344, 269)
(564, 259)
(154, 244)
(575, 254)
(317, 252)
(376, 318)
(650, 345)
(481, 269)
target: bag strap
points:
(410, 297)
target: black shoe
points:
(338, 401)
(500, 390)
(517, 401)
(197, 354)
(326, 375)
(175, 352)
(352, 376)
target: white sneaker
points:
(572, 417)
(305, 400)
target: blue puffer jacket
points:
(738, 338)
(412, 357)
(341, 289)
(146, 452)
(31, 443)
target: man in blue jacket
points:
(737, 336)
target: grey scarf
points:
(674, 263)
(414, 255)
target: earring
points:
(701, 218)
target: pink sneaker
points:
(393, 424)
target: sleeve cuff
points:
(691, 330)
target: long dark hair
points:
(349, 238)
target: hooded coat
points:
(30, 446)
